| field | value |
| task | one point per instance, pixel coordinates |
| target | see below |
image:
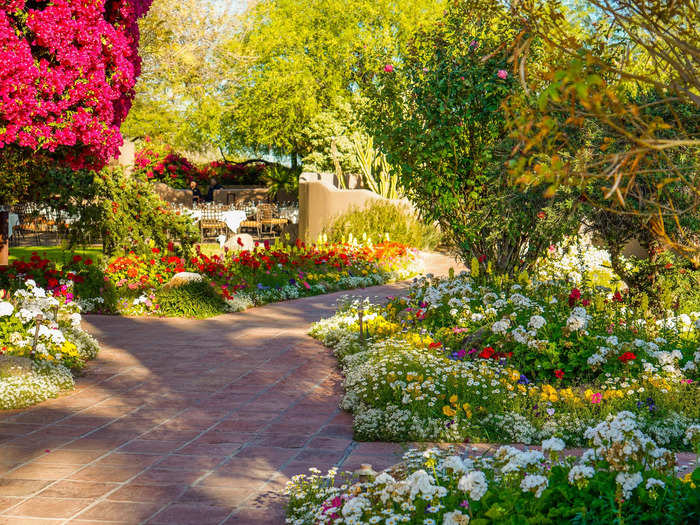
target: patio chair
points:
(211, 225)
(269, 217)
(253, 224)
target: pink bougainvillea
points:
(67, 75)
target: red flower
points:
(77, 258)
(617, 296)
(434, 345)
(585, 302)
(541, 215)
(88, 262)
(482, 258)
(626, 357)
(487, 352)
(574, 296)
(559, 373)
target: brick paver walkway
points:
(189, 422)
(184, 421)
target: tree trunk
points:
(4, 236)
(295, 160)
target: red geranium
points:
(627, 357)
(487, 352)
(559, 373)
(574, 296)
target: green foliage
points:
(614, 111)
(303, 61)
(38, 179)
(195, 299)
(330, 135)
(381, 220)
(437, 114)
(281, 180)
(179, 97)
(129, 216)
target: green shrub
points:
(380, 220)
(130, 216)
(194, 299)
(438, 116)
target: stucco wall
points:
(320, 203)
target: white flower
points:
(536, 322)
(628, 482)
(580, 473)
(455, 518)
(420, 482)
(553, 444)
(455, 464)
(534, 483)
(354, 507)
(6, 308)
(652, 482)
(474, 483)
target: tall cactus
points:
(377, 174)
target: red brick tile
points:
(39, 507)
(189, 513)
(119, 511)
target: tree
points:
(179, 97)
(437, 113)
(615, 112)
(67, 75)
(299, 59)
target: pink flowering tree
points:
(67, 75)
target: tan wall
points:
(239, 196)
(173, 195)
(320, 203)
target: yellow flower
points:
(688, 479)
(449, 411)
(515, 375)
(467, 410)
(453, 398)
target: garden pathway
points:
(190, 422)
(187, 422)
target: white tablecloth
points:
(14, 221)
(232, 218)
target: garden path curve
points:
(190, 422)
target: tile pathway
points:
(186, 422)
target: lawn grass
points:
(57, 254)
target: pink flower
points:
(389, 68)
(596, 398)
(502, 74)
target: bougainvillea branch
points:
(67, 73)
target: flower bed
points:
(624, 478)
(138, 284)
(482, 358)
(42, 341)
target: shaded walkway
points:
(187, 421)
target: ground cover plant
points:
(163, 282)
(625, 477)
(493, 358)
(41, 342)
